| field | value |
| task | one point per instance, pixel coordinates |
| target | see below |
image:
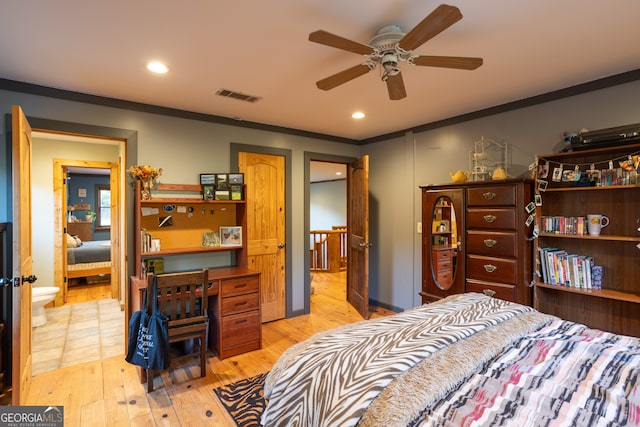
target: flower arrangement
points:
(145, 172)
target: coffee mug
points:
(595, 223)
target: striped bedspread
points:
(562, 375)
(445, 364)
(332, 378)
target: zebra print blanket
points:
(333, 377)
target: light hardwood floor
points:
(109, 393)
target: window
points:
(103, 206)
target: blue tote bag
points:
(148, 345)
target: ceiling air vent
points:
(237, 95)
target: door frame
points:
(310, 156)
(129, 158)
(60, 197)
(234, 149)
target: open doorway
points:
(75, 322)
(327, 219)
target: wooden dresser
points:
(82, 229)
(490, 249)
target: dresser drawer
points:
(240, 329)
(440, 255)
(503, 195)
(491, 269)
(239, 304)
(491, 219)
(504, 292)
(492, 243)
(239, 286)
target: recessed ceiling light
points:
(157, 67)
(358, 115)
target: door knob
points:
(366, 245)
(281, 245)
(29, 279)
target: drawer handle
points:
(242, 285)
(489, 292)
(490, 243)
(489, 218)
(490, 268)
(489, 195)
(240, 322)
(240, 304)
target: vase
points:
(145, 189)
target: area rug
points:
(244, 400)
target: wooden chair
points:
(182, 297)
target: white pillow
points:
(73, 241)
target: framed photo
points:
(207, 179)
(557, 174)
(537, 199)
(222, 181)
(236, 178)
(236, 191)
(208, 192)
(231, 236)
(542, 185)
(222, 194)
(210, 238)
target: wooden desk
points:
(235, 319)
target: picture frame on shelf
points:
(210, 239)
(236, 191)
(208, 192)
(222, 181)
(223, 195)
(236, 178)
(208, 179)
(231, 236)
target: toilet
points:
(40, 296)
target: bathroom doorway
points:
(75, 332)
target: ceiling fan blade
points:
(338, 42)
(395, 86)
(343, 76)
(460, 62)
(439, 20)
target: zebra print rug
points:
(244, 400)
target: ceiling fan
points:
(391, 46)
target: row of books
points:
(147, 243)
(563, 269)
(564, 225)
(619, 176)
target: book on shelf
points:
(560, 268)
(145, 240)
(564, 225)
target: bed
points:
(465, 360)
(88, 258)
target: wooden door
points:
(264, 176)
(22, 258)
(358, 231)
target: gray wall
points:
(184, 148)
(327, 204)
(428, 157)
